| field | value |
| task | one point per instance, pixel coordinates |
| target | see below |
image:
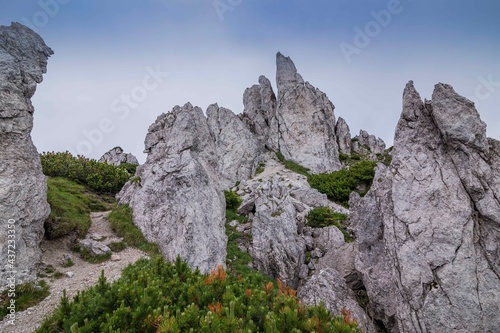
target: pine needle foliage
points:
(157, 296)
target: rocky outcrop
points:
(367, 145)
(23, 187)
(116, 157)
(429, 229)
(328, 286)
(343, 136)
(238, 151)
(260, 107)
(303, 129)
(277, 201)
(176, 200)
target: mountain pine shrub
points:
(157, 296)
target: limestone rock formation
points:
(303, 129)
(343, 136)
(260, 107)
(429, 229)
(328, 286)
(367, 145)
(23, 187)
(116, 157)
(238, 150)
(277, 200)
(177, 202)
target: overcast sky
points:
(107, 81)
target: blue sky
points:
(106, 49)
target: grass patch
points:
(88, 257)
(324, 217)
(260, 168)
(117, 246)
(290, 165)
(122, 224)
(237, 260)
(26, 296)
(58, 275)
(233, 201)
(70, 205)
(68, 263)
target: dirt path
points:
(85, 274)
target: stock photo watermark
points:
(224, 6)
(486, 87)
(121, 107)
(10, 281)
(48, 10)
(371, 30)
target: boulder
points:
(178, 203)
(23, 187)
(116, 157)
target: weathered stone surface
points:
(428, 231)
(368, 145)
(177, 202)
(260, 107)
(116, 157)
(303, 129)
(23, 187)
(280, 200)
(343, 134)
(93, 247)
(328, 286)
(238, 151)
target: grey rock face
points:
(177, 203)
(238, 151)
(428, 230)
(23, 187)
(343, 136)
(303, 129)
(328, 286)
(368, 145)
(116, 157)
(260, 107)
(279, 199)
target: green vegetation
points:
(260, 169)
(233, 201)
(70, 205)
(343, 157)
(97, 176)
(117, 246)
(26, 296)
(68, 263)
(323, 217)
(122, 224)
(156, 296)
(91, 258)
(292, 165)
(338, 185)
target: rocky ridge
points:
(23, 187)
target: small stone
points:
(70, 274)
(234, 223)
(115, 257)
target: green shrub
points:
(324, 217)
(117, 246)
(99, 177)
(26, 296)
(233, 201)
(123, 225)
(344, 157)
(290, 165)
(156, 296)
(260, 168)
(338, 185)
